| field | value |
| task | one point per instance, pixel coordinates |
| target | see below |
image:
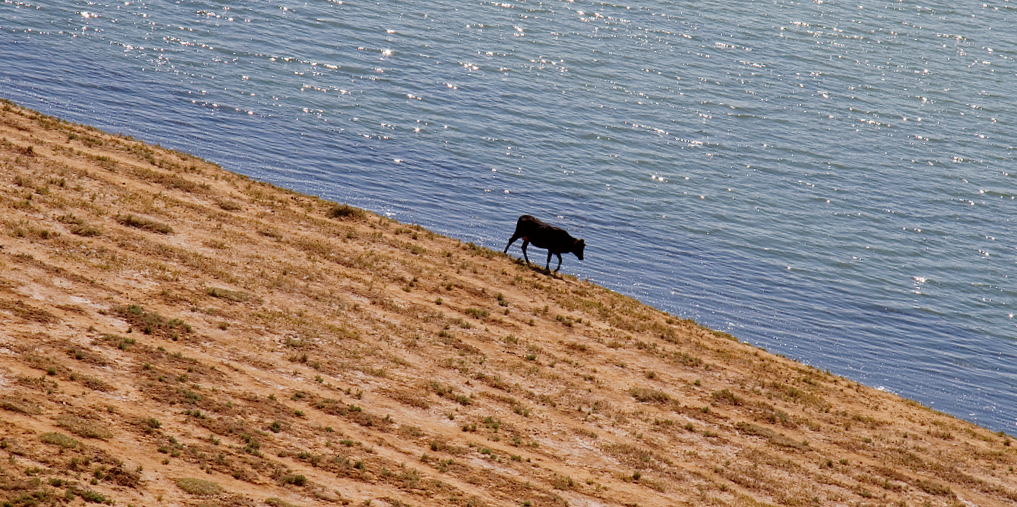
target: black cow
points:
(557, 241)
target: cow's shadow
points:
(519, 261)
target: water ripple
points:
(829, 181)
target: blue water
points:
(827, 180)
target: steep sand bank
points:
(175, 334)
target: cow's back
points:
(528, 223)
(544, 235)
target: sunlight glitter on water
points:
(726, 110)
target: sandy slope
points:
(174, 334)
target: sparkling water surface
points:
(827, 180)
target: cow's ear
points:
(582, 242)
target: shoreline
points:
(203, 337)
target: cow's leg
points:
(525, 243)
(548, 266)
(559, 262)
(513, 240)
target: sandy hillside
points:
(175, 334)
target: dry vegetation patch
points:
(20, 405)
(84, 427)
(59, 439)
(200, 487)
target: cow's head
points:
(578, 247)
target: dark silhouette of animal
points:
(556, 240)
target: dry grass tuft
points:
(229, 295)
(647, 395)
(84, 427)
(20, 405)
(79, 226)
(198, 487)
(145, 223)
(59, 439)
(346, 212)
